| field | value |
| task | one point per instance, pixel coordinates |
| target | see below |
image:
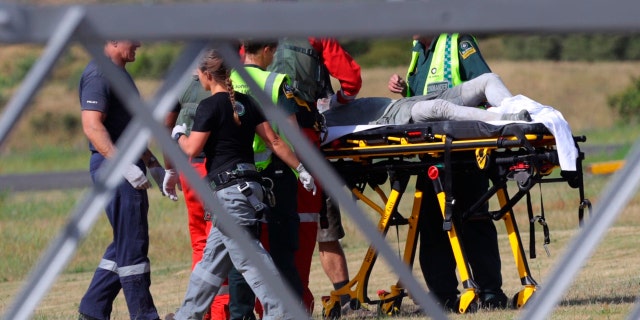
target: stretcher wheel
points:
(389, 308)
(473, 307)
(334, 313)
(520, 299)
(514, 302)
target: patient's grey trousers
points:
(451, 104)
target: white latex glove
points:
(323, 104)
(157, 173)
(179, 128)
(306, 179)
(136, 177)
(169, 184)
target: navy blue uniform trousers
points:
(125, 264)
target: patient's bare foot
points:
(523, 115)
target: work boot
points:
(493, 300)
(523, 115)
(86, 317)
(449, 303)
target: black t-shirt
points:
(228, 143)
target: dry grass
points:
(605, 288)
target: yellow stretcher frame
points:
(530, 158)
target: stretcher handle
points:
(508, 143)
(580, 138)
(548, 156)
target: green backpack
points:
(302, 63)
(189, 101)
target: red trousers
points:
(309, 207)
(199, 230)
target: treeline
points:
(571, 47)
(574, 47)
(154, 59)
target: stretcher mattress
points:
(456, 129)
(384, 140)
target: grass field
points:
(605, 288)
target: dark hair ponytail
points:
(213, 63)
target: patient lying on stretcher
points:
(451, 104)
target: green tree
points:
(627, 103)
(532, 47)
(154, 60)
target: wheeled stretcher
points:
(520, 153)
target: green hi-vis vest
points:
(270, 82)
(444, 70)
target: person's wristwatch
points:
(177, 136)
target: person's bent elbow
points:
(275, 143)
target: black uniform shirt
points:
(228, 143)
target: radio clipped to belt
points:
(267, 188)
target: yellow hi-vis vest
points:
(444, 69)
(270, 82)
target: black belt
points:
(220, 186)
(228, 178)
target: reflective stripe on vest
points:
(444, 70)
(270, 82)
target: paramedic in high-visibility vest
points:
(310, 62)
(449, 60)
(279, 233)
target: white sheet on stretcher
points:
(551, 118)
